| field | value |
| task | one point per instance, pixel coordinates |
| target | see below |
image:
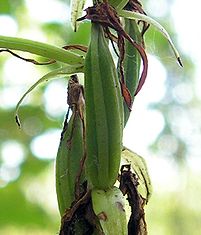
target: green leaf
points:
(139, 167)
(57, 73)
(42, 49)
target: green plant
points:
(101, 145)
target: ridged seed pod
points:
(71, 149)
(132, 62)
(104, 112)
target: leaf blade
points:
(135, 15)
(57, 73)
(41, 49)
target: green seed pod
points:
(132, 62)
(104, 113)
(71, 149)
(109, 207)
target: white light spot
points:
(48, 10)
(8, 174)
(154, 87)
(41, 190)
(144, 125)
(181, 124)
(8, 26)
(157, 8)
(18, 72)
(45, 146)
(142, 129)
(18, 76)
(55, 98)
(167, 145)
(10, 95)
(164, 174)
(12, 154)
(185, 19)
(183, 93)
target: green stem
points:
(41, 49)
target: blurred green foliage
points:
(26, 204)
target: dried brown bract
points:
(106, 15)
(128, 186)
(135, 5)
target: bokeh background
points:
(164, 127)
